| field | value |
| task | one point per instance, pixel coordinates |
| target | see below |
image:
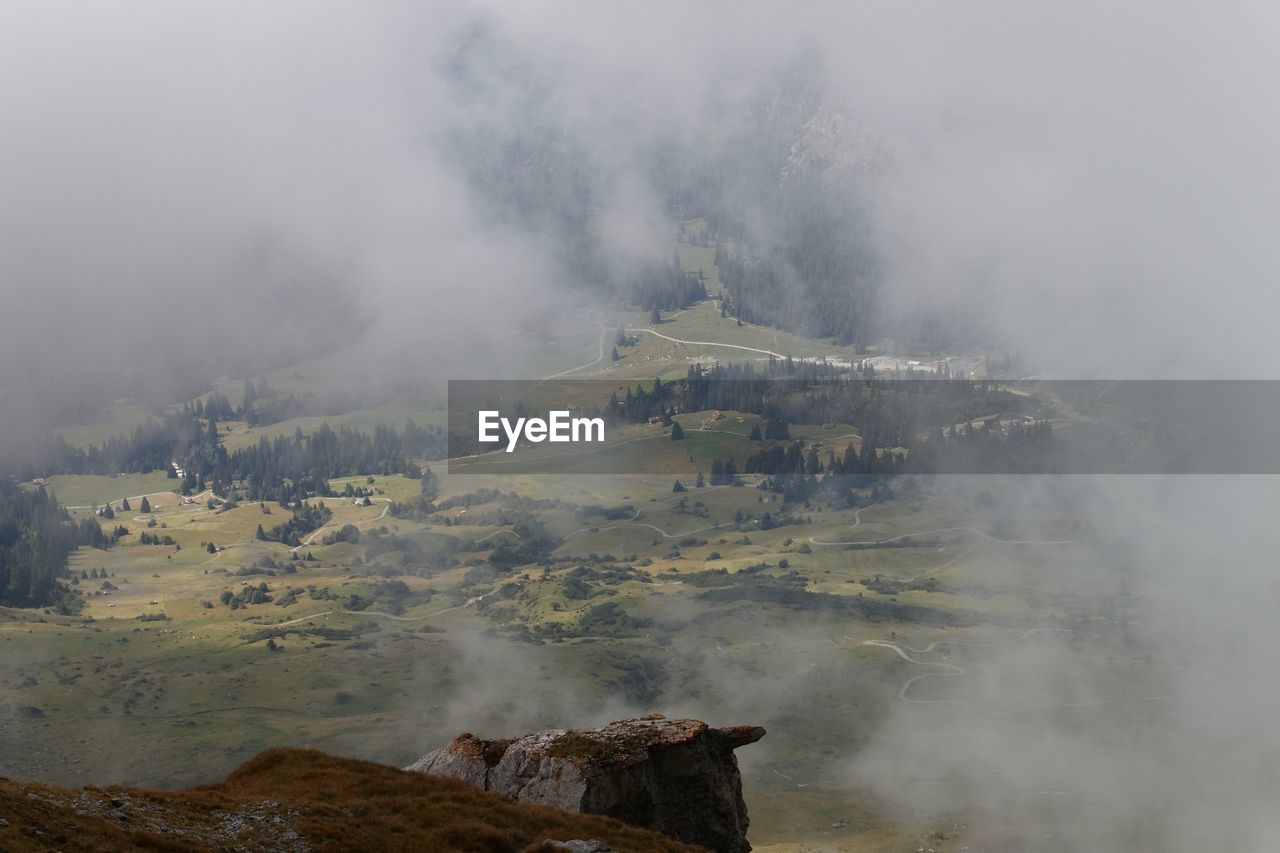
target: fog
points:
(1093, 182)
(194, 191)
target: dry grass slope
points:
(290, 799)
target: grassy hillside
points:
(520, 601)
(646, 601)
(300, 799)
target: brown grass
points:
(300, 799)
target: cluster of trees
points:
(89, 534)
(889, 413)
(775, 429)
(347, 533)
(666, 286)
(507, 507)
(791, 459)
(285, 469)
(817, 393)
(419, 509)
(305, 518)
(723, 473)
(37, 537)
(814, 283)
(260, 594)
(640, 405)
(734, 387)
(532, 543)
(986, 449)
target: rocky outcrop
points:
(679, 777)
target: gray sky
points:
(1096, 181)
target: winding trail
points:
(467, 603)
(857, 519)
(974, 530)
(495, 533)
(603, 332)
(709, 343)
(945, 669)
(985, 537)
(311, 537)
(205, 494)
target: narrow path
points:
(709, 343)
(603, 332)
(973, 530)
(311, 537)
(205, 494)
(946, 669)
(857, 519)
(495, 533)
(467, 603)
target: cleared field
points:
(89, 491)
(423, 409)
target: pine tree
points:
(677, 432)
(124, 506)
(145, 506)
(614, 355)
(249, 395)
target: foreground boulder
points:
(679, 777)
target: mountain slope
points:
(290, 799)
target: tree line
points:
(283, 469)
(37, 537)
(888, 413)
